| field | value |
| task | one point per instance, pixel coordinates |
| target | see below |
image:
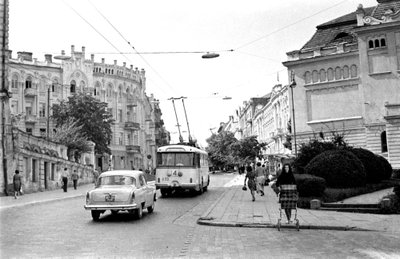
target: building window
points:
(53, 85)
(14, 107)
(121, 138)
(28, 82)
(72, 87)
(371, 44)
(34, 167)
(383, 42)
(29, 131)
(42, 110)
(53, 170)
(384, 142)
(43, 132)
(120, 115)
(14, 82)
(377, 43)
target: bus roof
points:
(180, 148)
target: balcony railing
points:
(30, 92)
(31, 118)
(130, 125)
(133, 149)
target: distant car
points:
(121, 190)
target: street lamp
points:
(293, 85)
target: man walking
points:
(260, 178)
(75, 179)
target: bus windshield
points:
(176, 159)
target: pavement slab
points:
(235, 208)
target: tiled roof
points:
(382, 7)
(326, 34)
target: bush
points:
(339, 168)
(308, 151)
(373, 166)
(396, 174)
(310, 185)
(387, 168)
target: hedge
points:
(387, 168)
(373, 166)
(339, 168)
(310, 185)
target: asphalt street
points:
(64, 229)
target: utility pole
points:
(293, 85)
(177, 122)
(187, 121)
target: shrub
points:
(310, 185)
(373, 166)
(396, 174)
(339, 168)
(308, 151)
(387, 168)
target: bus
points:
(181, 167)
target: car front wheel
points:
(139, 212)
(150, 209)
(95, 215)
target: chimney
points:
(63, 52)
(72, 49)
(103, 60)
(115, 62)
(83, 50)
(131, 67)
(92, 57)
(23, 55)
(124, 64)
(143, 72)
(48, 58)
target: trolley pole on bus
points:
(187, 121)
(177, 122)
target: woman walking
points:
(17, 184)
(286, 177)
(251, 181)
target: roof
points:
(385, 5)
(336, 31)
(180, 148)
(133, 173)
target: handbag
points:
(266, 182)
(244, 188)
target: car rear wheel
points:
(139, 212)
(95, 215)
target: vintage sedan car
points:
(121, 190)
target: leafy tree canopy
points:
(91, 115)
(247, 149)
(219, 148)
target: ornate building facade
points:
(37, 85)
(348, 80)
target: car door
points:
(148, 191)
(141, 190)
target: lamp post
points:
(293, 85)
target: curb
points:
(40, 202)
(208, 211)
(207, 222)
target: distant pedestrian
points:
(64, 179)
(286, 177)
(17, 182)
(251, 181)
(75, 179)
(260, 179)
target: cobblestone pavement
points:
(63, 229)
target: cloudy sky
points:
(260, 32)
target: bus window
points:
(176, 159)
(184, 159)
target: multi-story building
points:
(245, 116)
(348, 80)
(37, 85)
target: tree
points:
(219, 148)
(71, 135)
(91, 115)
(247, 149)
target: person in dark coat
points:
(286, 177)
(75, 178)
(17, 182)
(251, 182)
(64, 179)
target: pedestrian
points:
(286, 177)
(251, 181)
(17, 182)
(260, 172)
(75, 179)
(64, 179)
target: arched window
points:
(14, 82)
(353, 71)
(330, 74)
(376, 43)
(307, 77)
(383, 42)
(338, 73)
(371, 44)
(28, 82)
(322, 75)
(346, 72)
(53, 85)
(72, 88)
(315, 76)
(384, 142)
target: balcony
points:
(149, 137)
(31, 118)
(152, 125)
(133, 149)
(130, 125)
(30, 92)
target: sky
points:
(259, 32)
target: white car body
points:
(121, 190)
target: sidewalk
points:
(43, 197)
(234, 208)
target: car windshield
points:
(116, 180)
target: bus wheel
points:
(164, 193)
(200, 191)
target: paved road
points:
(65, 229)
